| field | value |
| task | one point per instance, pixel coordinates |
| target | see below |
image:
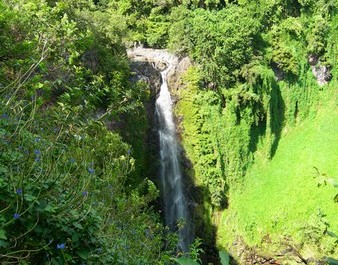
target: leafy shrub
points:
(283, 39)
(221, 42)
(64, 197)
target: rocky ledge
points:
(160, 59)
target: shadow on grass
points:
(277, 116)
(272, 121)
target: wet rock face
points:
(321, 72)
(175, 77)
(159, 60)
(146, 72)
(160, 66)
(313, 59)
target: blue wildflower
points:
(37, 159)
(72, 160)
(5, 116)
(60, 246)
(16, 216)
(91, 170)
(37, 152)
(129, 151)
(19, 191)
(85, 193)
(37, 139)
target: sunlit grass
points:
(281, 197)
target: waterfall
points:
(175, 203)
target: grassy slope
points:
(280, 197)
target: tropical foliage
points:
(64, 194)
(75, 179)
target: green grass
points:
(280, 198)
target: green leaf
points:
(50, 208)
(75, 237)
(67, 256)
(29, 197)
(4, 244)
(331, 234)
(78, 225)
(225, 258)
(186, 261)
(39, 85)
(83, 254)
(3, 234)
(332, 261)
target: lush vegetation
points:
(257, 86)
(270, 209)
(69, 191)
(75, 174)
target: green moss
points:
(280, 198)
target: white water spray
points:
(176, 211)
(175, 204)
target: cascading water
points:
(175, 203)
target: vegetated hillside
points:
(284, 204)
(69, 193)
(254, 84)
(280, 201)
